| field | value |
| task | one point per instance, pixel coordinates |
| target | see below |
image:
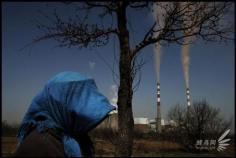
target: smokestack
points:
(158, 121)
(188, 101)
(188, 97)
(188, 106)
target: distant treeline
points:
(9, 129)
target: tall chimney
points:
(188, 98)
(158, 121)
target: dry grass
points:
(8, 145)
(103, 148)
(145, 146)
(142, 147)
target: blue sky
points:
(24, 73)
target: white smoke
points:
(157, 56)
(91, 64)
(158, 15)
(114, 96)
(185, 61)
(187, 22)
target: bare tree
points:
(202, 122)
(202, 20)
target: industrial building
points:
(142, 124)
(110, 122)
(145, 125)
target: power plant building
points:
(110, 122)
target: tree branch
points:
(189, 20)
(111, 6)
(138, 4)
(75, 33)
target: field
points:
(142, 147)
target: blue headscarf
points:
(69, 103)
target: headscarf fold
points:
(70, 103)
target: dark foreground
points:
(142, 147)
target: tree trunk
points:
(125, 93)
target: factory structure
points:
(188, 100)
(111, 121)
(158, 119)
(142, 124)
(188, 97)
(146, 125)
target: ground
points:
(142, 147)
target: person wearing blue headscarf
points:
(60, 116)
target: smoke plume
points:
(91, 64)
(185, 61)
(158, 15)
(157, 55)
(114, 95)
(188, 20)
